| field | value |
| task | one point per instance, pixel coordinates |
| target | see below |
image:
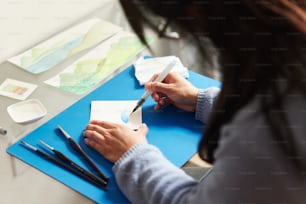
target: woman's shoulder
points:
(250, 130)
(250, 159)
(294, 108)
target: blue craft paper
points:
(174, 131)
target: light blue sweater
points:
(249, 167)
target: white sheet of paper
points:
(16, 89)
(114, 111)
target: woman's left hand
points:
(112, 140)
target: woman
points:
(255, 135)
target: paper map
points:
(64, 45)
(92, 68)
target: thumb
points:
(143, 129)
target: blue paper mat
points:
(175, 132)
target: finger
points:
(148, 84)
(153, 77)
(160, 87)
(143, 129)
(157, 106)
(162, 102)
(102, 124)
(155, 96)
(96, 128)
(93, 136)
(89, 142)
(93, 144)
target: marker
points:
(160, 78)
(3, 131)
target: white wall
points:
(25, 23)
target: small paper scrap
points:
(16, 89)
(146, 68)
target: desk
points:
(21, 184)
(169, 127)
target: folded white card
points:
(117, 112)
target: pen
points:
(62, 164)
(160, 78)
(2, 131)
(78, 148)
(65, 158)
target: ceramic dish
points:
(27, 111)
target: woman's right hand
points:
(175, 90)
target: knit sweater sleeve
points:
(150, 176)
(205, 102)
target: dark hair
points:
(262, 49)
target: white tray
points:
(27, 111)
